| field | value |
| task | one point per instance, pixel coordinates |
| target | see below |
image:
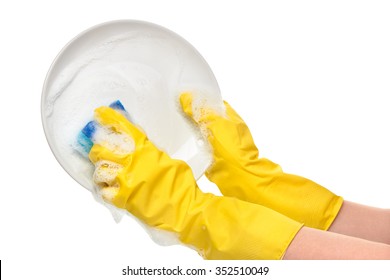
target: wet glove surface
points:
(239, 172)
(162, 192)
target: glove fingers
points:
(197, 112)
(106, 172)
(105, 176)
(186, 104)
(99, 153)
(108, 117)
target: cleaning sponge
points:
(87, 136)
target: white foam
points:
(106, 173)
(117, 142)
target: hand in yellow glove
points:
(239, 172)
(162, 193)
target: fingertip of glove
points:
(94, 153)
(102, 111)
(109, 193)
(228, 107)
(110, 117)
(186, 99)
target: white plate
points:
(143, 65)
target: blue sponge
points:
(84, 138)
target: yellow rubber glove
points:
(239, 172)
(163, 193)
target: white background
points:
(311, 79)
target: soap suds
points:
(106, 172)
(117, 142)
